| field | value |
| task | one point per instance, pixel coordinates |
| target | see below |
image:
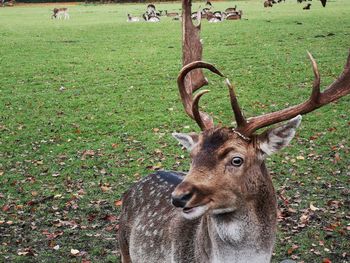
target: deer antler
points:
(192, 51)
(191, 78)
(339, 88)
(203, 120)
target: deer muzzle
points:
(181, 200)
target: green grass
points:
(66, 156)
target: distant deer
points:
(132, 19)
(212, 18)
(307, 7)
(171, 14)
(150, 18)
(60, 12)
(268, 3)
(151, 10)
(208, 3)
(224, 209)
(234, 15)
(231, 9)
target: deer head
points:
(227, 166)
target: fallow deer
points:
(307, 7)
(208, 3)
(151, 9)
(133, 18)
(60, 12)
(231, 9)
(172, 14)
(224, 209)
(151, 18)
(234, 16)
(268, 3)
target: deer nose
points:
(181, 200)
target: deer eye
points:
(237, 161)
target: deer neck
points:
(247, 233)
(234, 238)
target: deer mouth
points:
(188, 210)
(194, 211)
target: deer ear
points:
(277, 138)
(188, 140)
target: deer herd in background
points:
(153, 15)
(270, 3)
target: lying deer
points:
(268, 3)
(133, 18)
(59, 13)
(307, 7)
(231, 9)
(223, 210)
(171, 14)
(234, 16)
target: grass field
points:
(87, 107)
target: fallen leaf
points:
(5, 208)
(118, 203)
(292, 249)
(105, 188)
(74, 252)
(110, 218)
(313, 208)
(57, 247)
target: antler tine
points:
(240, 120)
(339, 88)
(195, 110)
(315, 95)
(191, 51)
(191, 106)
